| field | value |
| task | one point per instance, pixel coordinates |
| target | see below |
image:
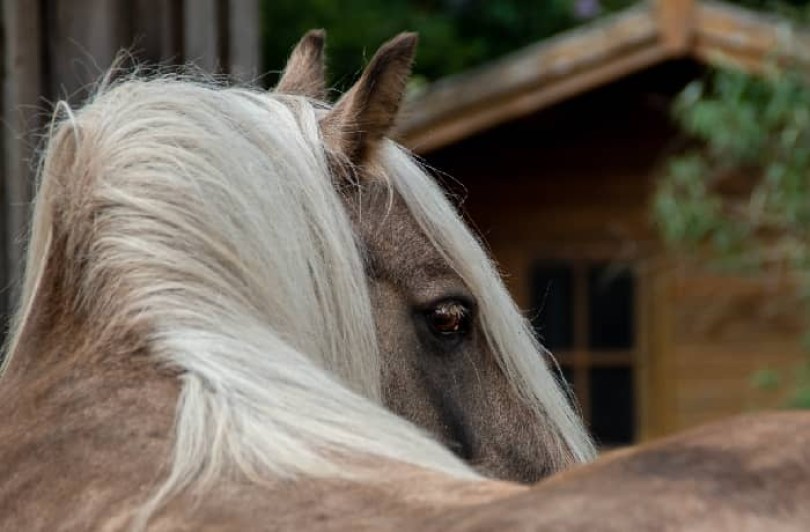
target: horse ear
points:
(304, 74)
(366, 113)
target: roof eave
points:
(585, 58)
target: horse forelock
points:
(206, 219)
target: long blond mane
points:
(206, 218)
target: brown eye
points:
(449, 318)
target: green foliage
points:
(753, 136)
(683, 201)
(791, 9)
(740, 197)
(454, 34)
(767, 380)
(800, 394)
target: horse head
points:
(229, 285)
(457, 359)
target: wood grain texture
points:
(22, 90)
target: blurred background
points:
(639, 169)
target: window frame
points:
(580, 359)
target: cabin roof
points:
(591, 56)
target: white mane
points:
(519, 354)
(216, 228)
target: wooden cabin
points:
(556, 149)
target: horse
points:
(234, 296)
(252, 311)
(749, 472)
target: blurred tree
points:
(739, 199)
(455, 34)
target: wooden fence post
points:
(84, 37)
(202, 43)
(56, 49)
(675, 24)
(157, 30)
(22, 93)
(245, 40)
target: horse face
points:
(438, 370)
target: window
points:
(584, 312)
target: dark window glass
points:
(552, 305)
(611, 307)
(612, 412)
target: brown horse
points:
(239, 308)
(228, 289)
(747, 473)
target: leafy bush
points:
(740, 197)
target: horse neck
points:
(73, 408)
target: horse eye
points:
(448, 318)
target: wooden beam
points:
(532, 67)
(22, 91)
(157, 30)
(663, 392)
(201, 34)
(596, 54)
(84, 38)
(738, 37)
(245, 40)
(710, 54)
(490, 113)
(676, 24)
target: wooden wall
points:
(726, 329)
(575, 182)
(57, 49)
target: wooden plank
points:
(157, 30)
(734, 36)
(676, 24)
(694, 282)
(586, 359)
(643, 362)
(490, 113)
(716, 394)
(245, 40)
(736, 311)
(712, 381)
(527, 71)
(201, 34)
(22, 91)
(738, 28)
(728, 357)
(535, 65)
(573, 228)
(735, 324)
(583, 59)
(663, 394)
(84, 39)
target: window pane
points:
(552, 308)
(611, 307)
(612, 405)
